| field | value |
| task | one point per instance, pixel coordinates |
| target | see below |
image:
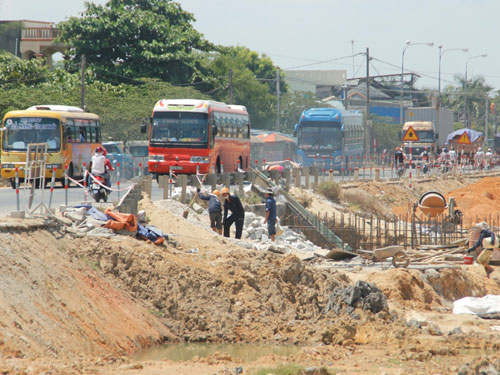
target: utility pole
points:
(278, 101)
(230, 86)
(368, 122)
(353, 68)
(486, 120)
(83, 83)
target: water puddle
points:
(186, 352)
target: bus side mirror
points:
(295, 130)
(215, 130)
(144, 128)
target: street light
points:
(441, 53)
(408, 44)
(465, 88)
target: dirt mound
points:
(432, 289)
(55, 304)
(480, 200)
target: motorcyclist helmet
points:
(445, 149)
(99, 150)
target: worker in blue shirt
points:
(214, 209)
(270, 214)
(488, 242)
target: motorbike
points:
(99, 192)
(401, 170)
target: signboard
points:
(464, 139)
(410, 135)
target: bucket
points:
(468, 259)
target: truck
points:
(430, 130)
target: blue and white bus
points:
(326, 135)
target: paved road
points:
(76, 195)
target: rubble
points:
(362, 294)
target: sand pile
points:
(479, 200)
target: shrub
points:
(304, 199)
(330, 190)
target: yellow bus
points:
(70, 133)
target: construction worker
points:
(232, 203)
(270, 214)
(214, 209)
(487, 241)
(479, 158)
(489, 159)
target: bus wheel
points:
(217, 165)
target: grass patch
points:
(330, 190)
(304, 199)
(362, 202)
(91, 264)
(290, 369)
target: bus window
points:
(83, 129)
(94, 132)
(70, 131)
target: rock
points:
(362, 294)
(413, 323)
(290, 238)
(264, 238)
(455, 331)
(197, 208)
(434, 330)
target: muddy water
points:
(186, 352)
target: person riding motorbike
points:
(399, 161)
(100, 165)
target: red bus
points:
(186, 133)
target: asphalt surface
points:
(76, 196)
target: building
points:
(30, 39)
(320, 82)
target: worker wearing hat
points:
(232, 203)
(270, 214)
(214, 209)
(488, 242)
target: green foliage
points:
(131, 39)
(475, 90)
(247, 90)
(292, 105)
(387, 134)
(15, 72)
(121, 108)
(330, 190)
(288, 369)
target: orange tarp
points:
(121, 221)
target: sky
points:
(294, 33)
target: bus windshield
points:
(20, 131)
(320, 138)
(178, 129)
(139, 151)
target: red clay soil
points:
(479, 201)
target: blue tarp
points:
(473, 135)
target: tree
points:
(247, 89)
(293, 104)
(126, 39)
(15, 71)
(474, 104)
